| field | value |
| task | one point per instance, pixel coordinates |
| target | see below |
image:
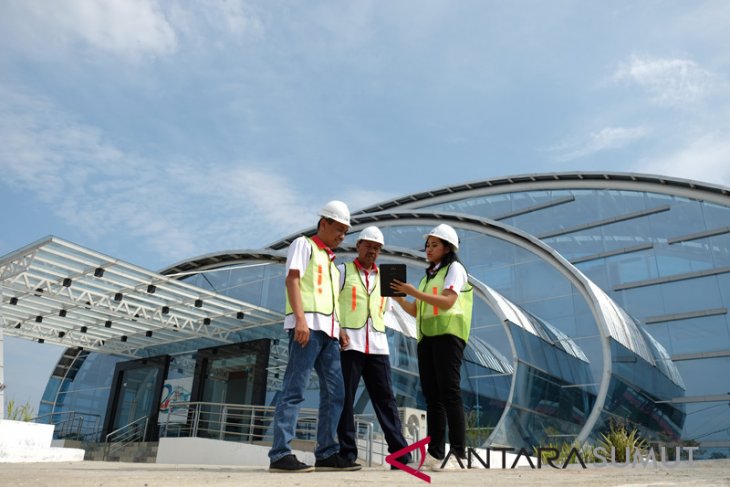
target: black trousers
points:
(439, 366)
(375, 371)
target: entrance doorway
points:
(135, 394)
(231, 379)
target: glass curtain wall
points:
(77, 393)
(628, 242)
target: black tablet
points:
(388, 273)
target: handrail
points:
(127, 434)
(74, 426)
(61, 413)
(245, 423)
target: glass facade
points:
(642, 341)
(80, 383)
(648, 251)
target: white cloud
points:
(672, 82)
(177, 209)
(705, 159)
(127, 28)
(232, 14)
(35, 140)
(608, 138)
(203, 22)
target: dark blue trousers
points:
(375, 372)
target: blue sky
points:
(156, 131)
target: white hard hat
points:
(337, 211)
(444, 232)
(372, 234)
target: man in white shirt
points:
(312, 287)
(365, 346)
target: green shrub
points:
(19, 413)
(620, 438)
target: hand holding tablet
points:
(388, 274)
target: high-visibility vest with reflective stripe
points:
(319, 286)
(356, 304)
(433, 321)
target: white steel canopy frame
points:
(60, 292)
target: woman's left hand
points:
(403, 287)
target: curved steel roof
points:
(245, 257)
(534, 325)
(576, 180)
(480, 352)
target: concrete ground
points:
(700, 473)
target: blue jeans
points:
(323, 354)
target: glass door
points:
(230, 380)
(135, 394)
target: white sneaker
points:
(452, 464)
(429, 462)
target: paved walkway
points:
(85, 474)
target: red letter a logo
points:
(421, 445)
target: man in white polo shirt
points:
(365, 350)
(312, 287)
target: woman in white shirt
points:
(442, 307)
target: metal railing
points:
(371, 439)
(72, 425)
(367, 434)
(233, 422)
(121, 437)
(245, 423)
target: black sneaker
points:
(405, 460)
(289, 464)
(336, 463)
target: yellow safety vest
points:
(317, 285)
(357, 304)
(433, 321)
